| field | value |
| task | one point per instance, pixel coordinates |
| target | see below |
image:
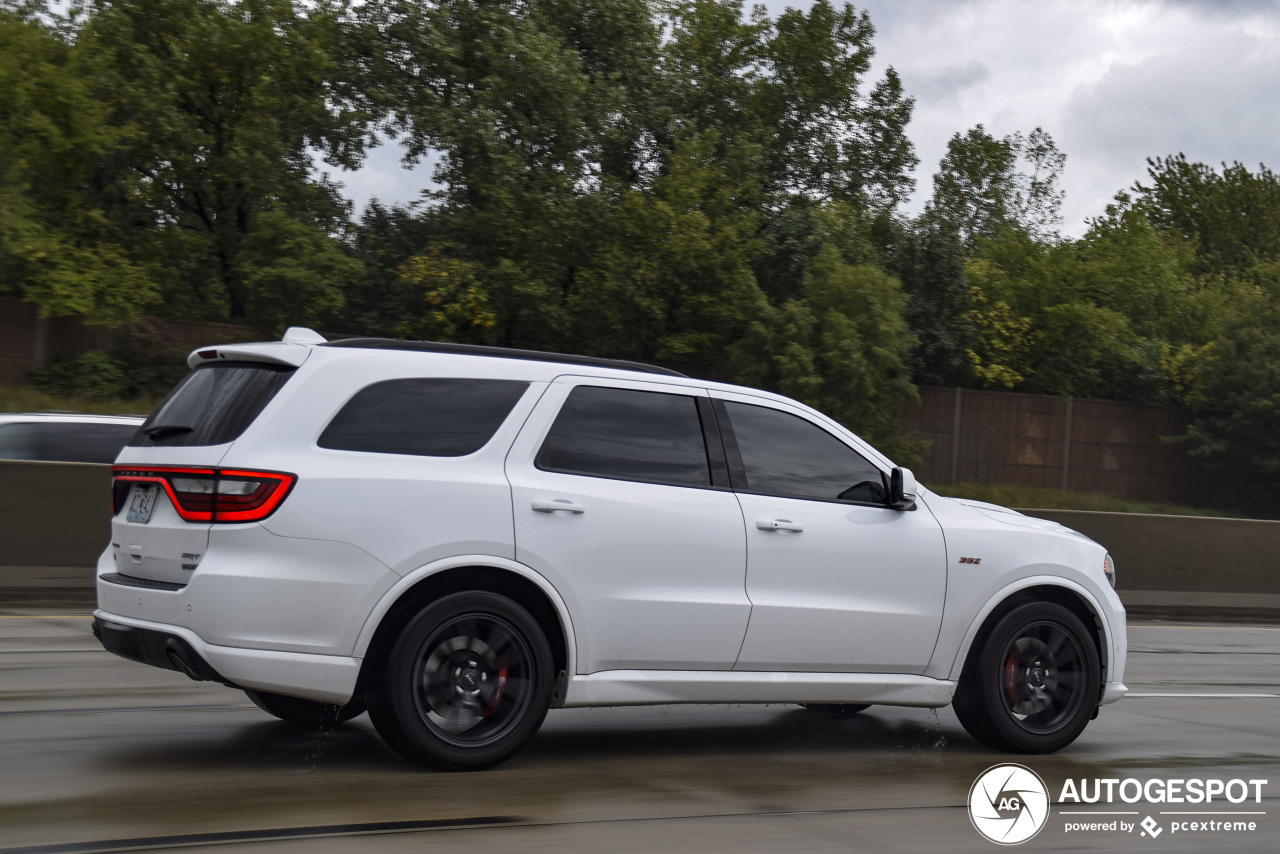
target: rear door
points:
(622, 504)
(162, 474)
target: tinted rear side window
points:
(213, 404)
(68, 442)
(628, 435)
(783, 454)
(424, 417)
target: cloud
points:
(1210, 95)
(1226, 8)
(384, 177)
(945, 83)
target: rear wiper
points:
(155, 431)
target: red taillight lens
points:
(209, 495)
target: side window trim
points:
(738, 470)
(717, 454)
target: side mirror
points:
(902, 489)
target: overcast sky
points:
(1113, 82)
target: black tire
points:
(466, 683)
(1033, 683)
(305, 713)
(836, 709)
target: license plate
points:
(141, 502)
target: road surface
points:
(99, 754)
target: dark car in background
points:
(68, 437)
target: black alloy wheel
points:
(1033, 684)
(465, 685)
(305, 713)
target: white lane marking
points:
(46, 616)
(1212, 696)
(1229, 812)
(1090, 812)
(1216, 627)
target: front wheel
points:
(1032, 686)
(465, 685)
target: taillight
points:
(206, 494)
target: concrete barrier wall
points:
(1182, 553)
(55, 521)
(53, 514)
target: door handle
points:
(559, 504)
(779, 525)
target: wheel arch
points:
(472, 572)
(1042, 589)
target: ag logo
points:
(1008, 804)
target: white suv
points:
(459, 538)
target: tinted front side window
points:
(629, 435)
(783, 454)
(213, 404)
(423, 417)
(66, 441)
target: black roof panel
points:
(499, 353)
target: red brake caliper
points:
(1011, 676)
(499, 690)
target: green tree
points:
(842, 348)
(224, 104)
(58, 245)
(1236, 381)
(1102, 316)
(984, 184)
(928, 257)
(1231, 218)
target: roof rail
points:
(499, 353)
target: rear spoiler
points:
(292, 350)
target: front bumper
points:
(325, 678)
(1112, 691)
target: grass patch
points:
(1053, 499)
(24, 398)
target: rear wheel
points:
(305, 713)
(465, 685)
(835, 709)
(1033, 684)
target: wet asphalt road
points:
(96, 751)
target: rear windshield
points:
(212, 405)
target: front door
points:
(839, 582)
(616, 504)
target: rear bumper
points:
(326, 678)
(156, 647)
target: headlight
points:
(1109, 569)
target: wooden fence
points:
(1048, 442)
